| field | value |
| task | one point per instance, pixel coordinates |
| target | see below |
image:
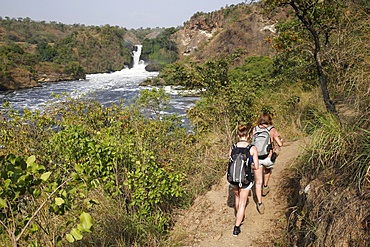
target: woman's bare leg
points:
(258, 176)
(237, 199)
(267, 175)
(240, 207)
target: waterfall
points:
(136, 56)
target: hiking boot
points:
(265, 190)
(260, 208)
(236, 231)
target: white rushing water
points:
(106, 88)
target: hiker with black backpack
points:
(240, 173)
(264, 135)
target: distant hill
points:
(44, 52)
(35, 52)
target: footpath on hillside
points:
(210, 221)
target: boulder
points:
(154, 67)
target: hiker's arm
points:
(276, 137)
(254, 154)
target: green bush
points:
(137, 163)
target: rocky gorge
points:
(235, 29)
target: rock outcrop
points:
(20, 78)
(240, 28)
(47, 72)
(198, 30)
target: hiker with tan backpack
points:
(263, 137)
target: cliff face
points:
(197, 31)
(21, 78)
(242, 27)
(44, 72)
(48, 72)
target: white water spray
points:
(136, 57)
(106, 88)
(138, 66)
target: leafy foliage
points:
(135, 161)
(160, 49)
(25, 192)
(153, 101)
(45, 52)
(12, 55)
(131, 172)
(227, 94)
(313, 27)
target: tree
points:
(45, 52)
(319, 19)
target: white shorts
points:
(266, 163)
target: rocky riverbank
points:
(20, 78)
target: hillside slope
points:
(237, 29)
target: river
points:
(106, 88)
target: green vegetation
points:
(12, 56)
(130, 168)
(25, 192)
(91, 159)
(321, 44)
(161, 49)
(294, 85)
(76, 49)
(96, 49)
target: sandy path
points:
(210, 221)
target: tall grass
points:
(293, 109)
(332, 185)
(339, 147)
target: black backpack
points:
(239, 170)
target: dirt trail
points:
(210, 221)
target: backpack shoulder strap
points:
(249, 148)
(245, 150)
(233, 147)
(258, 128)
(271, 140)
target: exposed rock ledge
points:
(21, 78)
(55, 77)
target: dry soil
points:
(210, 221)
